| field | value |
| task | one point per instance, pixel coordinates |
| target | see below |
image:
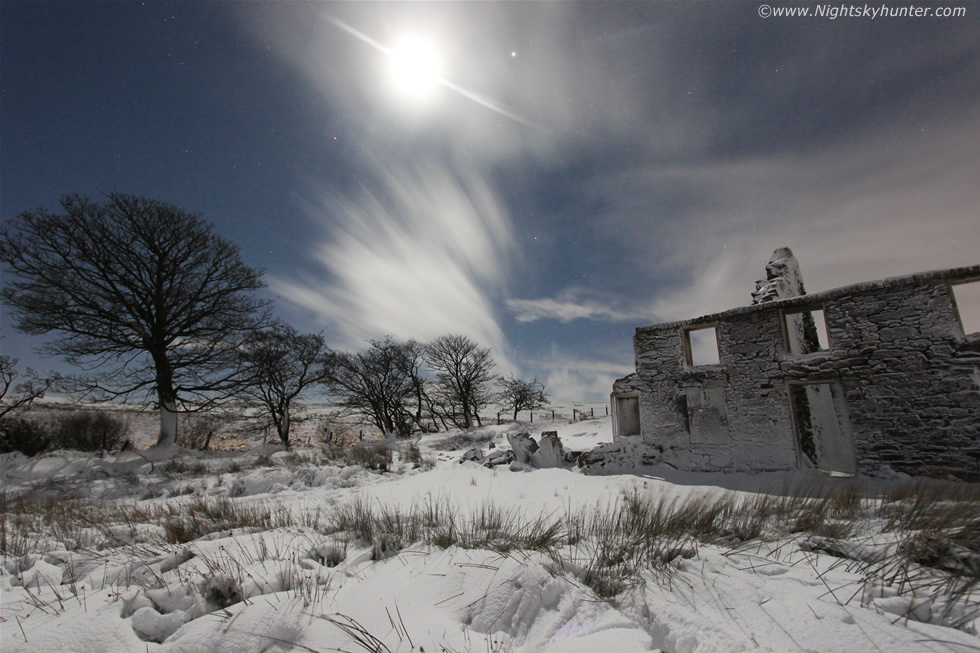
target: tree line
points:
(146, 299)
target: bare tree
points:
(279, 365)
(518, 394)
(375, 384)
(411, 360)
(17, 395)
(137, 289)
(463, 370)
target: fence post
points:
(552, 416)
(592, 412)
(532, 418)
(573, 414)
(498, 419)
(607, 411)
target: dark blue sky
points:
(582, 169)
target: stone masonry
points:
(896, 384)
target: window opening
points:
(806, 331)
(967, 297)
(701, 346)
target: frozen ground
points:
(299, 583)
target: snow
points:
(295, 587)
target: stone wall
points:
(898, 384)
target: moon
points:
(415, 66)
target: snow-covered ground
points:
(298, 583)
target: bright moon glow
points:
(414, 66)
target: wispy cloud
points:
(890, 204)
(421, 253)
(570, 305)
(572, 378)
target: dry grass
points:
(466, 439)
(377, 456)
(610, 547)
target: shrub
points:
(415, 456)
(465, 439)
(376, 456)
(27, 437)
(90, 431)
(196, 433)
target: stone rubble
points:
(525, 453)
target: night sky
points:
(569, 172)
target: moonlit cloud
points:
(422, 253)
(889, 205)
(572, 378)
(571, 304)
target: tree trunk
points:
(418, 405)
(168, 419)
(284, 428)
(167, 398)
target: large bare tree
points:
(376, 384)
(463, 370)
(138, 290)
(412, 363)
(279, 365)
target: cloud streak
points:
(570, 305)
(699, 234)
(419, 253)
(568, 377)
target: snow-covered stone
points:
(472, 455)
(550, 452)
(523, 446)
(498, 457)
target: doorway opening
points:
(823, 432)
(626, 412)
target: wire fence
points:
(550, 415)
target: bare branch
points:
(20, 395)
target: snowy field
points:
(406, 549)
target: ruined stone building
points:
(855, 379)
